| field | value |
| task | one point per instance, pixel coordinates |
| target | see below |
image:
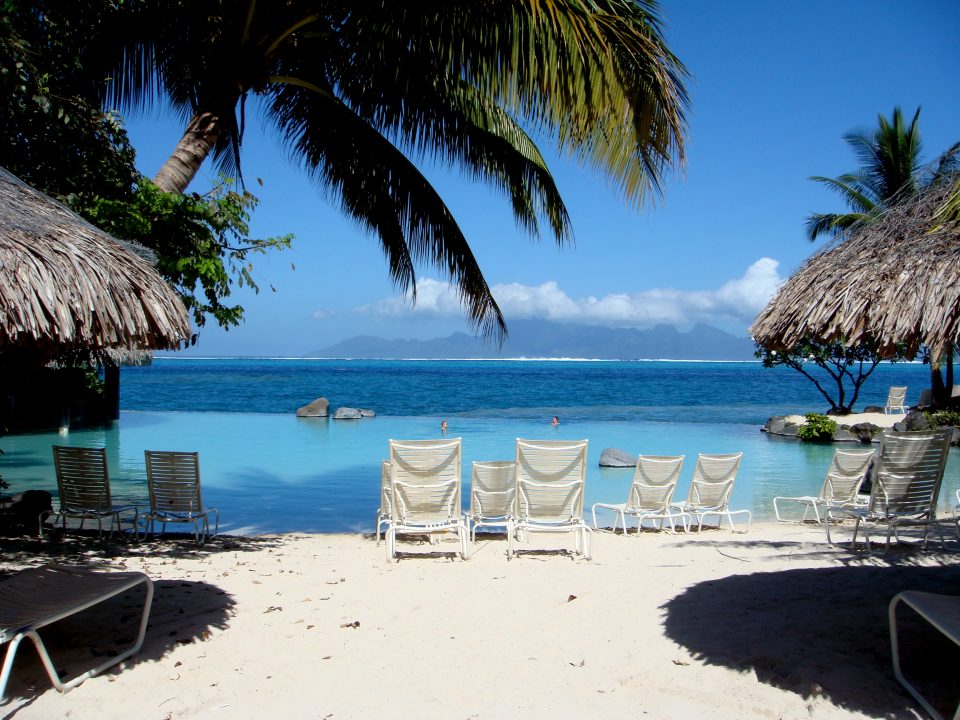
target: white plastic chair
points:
(710, 489)
(425, 491)
(551, 476)
(896, 401)
(173, 481)
(83, 483)
(840, 489)
(906, 485)
(654, 481)
(493, 494)
(35, 598)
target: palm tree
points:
(890, 165)
(356, 91)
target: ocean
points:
(268, 471)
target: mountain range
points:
(544, 339)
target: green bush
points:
(944, 418)
(817, 427)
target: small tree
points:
(847, 367)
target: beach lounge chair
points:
(35, 598)
(840, 488)
(651, 491)
(906, 485)
(896, 400)
(425, 488)
(173, 481)
(710, 489)
(83, 483)
(551, 476)
(384, 512)
(943, 613)
(493, 493)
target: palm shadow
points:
(821, 631)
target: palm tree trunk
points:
(197, 142)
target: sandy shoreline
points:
(769, 624)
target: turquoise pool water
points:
(270, 472)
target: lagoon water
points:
(268, 471)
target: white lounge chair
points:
(710, 489)
(385, 511)
(173, 481)
(551, 476)
(493, 495)
(906, 485)
(35, 598)
(896, 400)
(943, 613)
(425, 491)
(654, 481)
(83, 483)
(840, 489)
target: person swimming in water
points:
(556, 420)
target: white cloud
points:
(737, 300)
(322, 314)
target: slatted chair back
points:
(909, 473)
(551, 475)
(493, 489)
(896, 400)
(654, 482)
(713, 478)
(847, 471)
(425, 481)
(173, 481)
(83, 480)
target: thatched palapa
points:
(893, 281)
(65, 284)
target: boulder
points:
(778, 425)
(318, 408)
(873, 409)
(843, 434)
(865, 432)
(367, 413)
(611, 457)
(346, 413)
(913, 421)
(22, 510)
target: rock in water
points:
(318, 408)
(367, 413)
(611, 457)
(346, 413)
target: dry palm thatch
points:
(64, 284)
(890, 282)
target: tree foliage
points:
(56, 137)
(837, 371)
(359, 93)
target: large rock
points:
(913, 421)
(874, 409)
(346, 413)
(865, 432)
(318, 408)
(22, 511)
(611, 457)
(367, 413)
(778, 425)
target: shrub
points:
(817, 427)
(944, 418)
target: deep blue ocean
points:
(268, 471)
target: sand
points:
(879, 419)
(773, 623)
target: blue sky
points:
(774, 87)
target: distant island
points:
(544, 339)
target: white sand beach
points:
(881, 420)
(773, 623)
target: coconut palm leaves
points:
(890, 163)
(359, 92)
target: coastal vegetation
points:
(818, 427)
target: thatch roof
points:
(889, 282)
(66, 284)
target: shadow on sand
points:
(823, 631)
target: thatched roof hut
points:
(893, 281)
(64, 284)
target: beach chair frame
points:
(493, 497)
(425, 487)
(896, 401)
(83, 485)
(37, 597)
(173, 483)
(710, 490)
(651, 492)
(551, 477)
